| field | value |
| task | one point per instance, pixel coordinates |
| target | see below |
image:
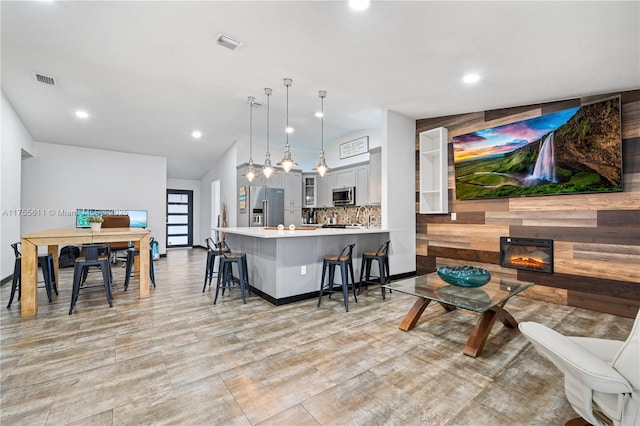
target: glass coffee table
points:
(487, 300)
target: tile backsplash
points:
(346, 215)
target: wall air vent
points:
(228, 42)
(45, 79)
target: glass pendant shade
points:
(267, 171)
(287, 162)
(251, 173)
(322, 167)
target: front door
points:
(179, 218)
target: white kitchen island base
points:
(286, 266)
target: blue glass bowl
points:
(464, 276)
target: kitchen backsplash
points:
(345, 215)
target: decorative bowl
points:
(464, 276)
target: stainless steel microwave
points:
(344, 196)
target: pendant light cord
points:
(322, 126)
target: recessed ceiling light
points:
(319, 114)
(197, 134)
(471, 78)
(82, 114)
(228, 42)
(359, 4)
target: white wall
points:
(61, 177)
(15, 138)
(224, 169)
(190, 185)
(332, 152)
(398, 189)
(308, 159)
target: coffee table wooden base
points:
(480, 332)
(411, 319)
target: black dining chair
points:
(131, 254)
(91, 258)
(45, 262)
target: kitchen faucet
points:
(367, 212)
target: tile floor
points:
(175, 359)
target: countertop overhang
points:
(286, 233)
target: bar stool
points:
(91, 258)
(225, 274)
(382, 257)
(131, 254)
(213, 250)
(343, 260)
(45, 261)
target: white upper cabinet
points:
(309, 190)
(362, 185)
(325, 189)
(434, 195)
(292, 184)
(345, 177)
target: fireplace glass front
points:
(532, 254)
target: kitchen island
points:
(286, 266)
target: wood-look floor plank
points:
(175, 358)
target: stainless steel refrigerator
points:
(266, 206)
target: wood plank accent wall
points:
(596, 236)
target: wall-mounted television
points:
(576, 150)
(137, 218)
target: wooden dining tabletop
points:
(53, 238)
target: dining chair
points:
(91, 258)
(131, 254)
(45, 262)
(117, 221)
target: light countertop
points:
(303, 231)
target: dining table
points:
(53, 238)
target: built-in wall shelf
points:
(434, 195)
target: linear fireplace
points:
(532, 254)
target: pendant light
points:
(322, 167)
(287, 162)
(268, 169)
(251, 173)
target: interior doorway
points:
(179, 218)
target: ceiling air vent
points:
(228, 42)
(45, 79)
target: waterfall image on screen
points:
(576, 150)
(545, 168)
